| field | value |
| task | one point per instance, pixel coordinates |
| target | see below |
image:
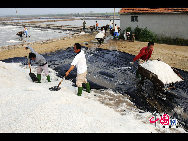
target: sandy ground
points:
(43, 47)
(175, 56)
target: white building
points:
(168, 22)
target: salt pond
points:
(8, 34)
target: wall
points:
(171, 25)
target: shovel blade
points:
(33, 77)
(55, 88)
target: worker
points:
(144, 55)
(110, 25)
(80, 63)
(100, 36)
(97, 25)
(145, 52)
(116, 34)
(84, 25)
(103, 31)
(41, 62)
(25, 31)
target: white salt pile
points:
(82, 33)
(100, 35)
(164, 72)
(27, 107)
(12, 41)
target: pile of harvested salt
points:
(164, 72)
(100, 35)
(82, 33)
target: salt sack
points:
(100, 35)
(164, 72)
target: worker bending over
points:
(145, 53)
(41, 62)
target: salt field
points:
(35, 109)
(8, 32)
(124, 97)
(111, 69)
(8, 35)
(80, 22)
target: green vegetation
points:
(145, 35)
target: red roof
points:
(153, 10)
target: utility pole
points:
(17, 14)
(84, 16)
(113, 17)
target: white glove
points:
(132, 63)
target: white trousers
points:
(43, 68)
(81, 78)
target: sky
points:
(36, 11)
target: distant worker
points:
(145, 52)
(116, 34)
(100, 36)
(97, 25)
(80, 63)
(25, 31)
(102, 30)
(41, 62)
(110, 25)
(84, 25)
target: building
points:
(168, 22)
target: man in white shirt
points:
(80, 63)
(116, 31)
(110, 25)
(25, 31)
(100, 36)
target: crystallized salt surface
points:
(164, 72)
(27, 107)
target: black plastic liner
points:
(111, 69)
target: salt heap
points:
(27, 107)
(82, 33)
(164, 72)
(99, 35)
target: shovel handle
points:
(60, 82)
(29, 65)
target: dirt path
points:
(175, 56)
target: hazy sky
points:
(33, 11)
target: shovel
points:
(32, 75)
(57, 88)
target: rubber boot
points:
(39, 78)
(79, 91)
(87, 87)
(48, 78)
(138, 75)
